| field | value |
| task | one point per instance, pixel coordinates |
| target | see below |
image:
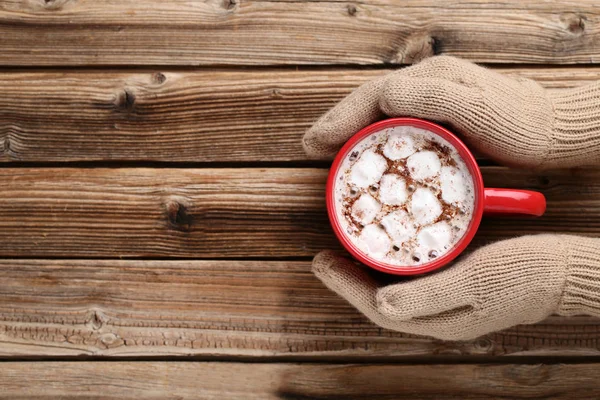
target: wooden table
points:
(158, 215)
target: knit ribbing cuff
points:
(581, 294)
(576, 131)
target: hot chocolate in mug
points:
(405, 196)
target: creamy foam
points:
(404, 196)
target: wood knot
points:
(352, 10)
(230, 4)
(543, 181)
(126, 100)
(436, 45)
(418, 47)
(159, 78)
(178, 215)
(484, 346)
(574, 23)
(530, 375)
(276, 94)
(96, 320)
(6, 145)
(53, 4)
(111, 340)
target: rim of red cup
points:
(467, 157)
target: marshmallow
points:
(392, 190)
(381, 213)
(365, 209)
(399, 144)
(368, 169)
(374, 241)
(399, 226)
(423, 165)
(425, 206)
(454, 187)
(436, 237)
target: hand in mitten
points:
(515, 281)
(512, 120)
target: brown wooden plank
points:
(182, 116)
(180, 380)
(216, 213)
(221, 212)
(217, 32)
(162, 212)
(261, 309)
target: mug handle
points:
(513, 202)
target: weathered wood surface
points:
(177, 116)
(216, 213)
(214, 308)
(234, 32)
(186, 380)
(234, 280)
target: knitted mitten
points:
(515, 281)
(516, 122)
(512, 120)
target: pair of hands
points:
(516, 122)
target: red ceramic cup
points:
(487, 200)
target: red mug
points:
(488, 201)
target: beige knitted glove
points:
(516, 281)
(514, 121)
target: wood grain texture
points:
(216, 213)
(162, 380)
(208, 116)
(220, 32)
(162, 212)
(258, 309)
